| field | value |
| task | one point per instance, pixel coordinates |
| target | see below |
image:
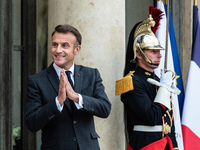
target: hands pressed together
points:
(66, 90)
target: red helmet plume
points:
(157, 16)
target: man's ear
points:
(138, 55)
(77, 50)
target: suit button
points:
(74, 121)
(91, 109)
(74, 138)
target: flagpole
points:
(167, 30)
(195, 2)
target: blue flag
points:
(175, 56)
(196, 37)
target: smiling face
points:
(153, 55)
(63, 51)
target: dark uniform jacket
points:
(141, 110)
(67, 129)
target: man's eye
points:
(154, 51)
(65, 45)
(54, 44)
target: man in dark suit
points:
(63, 99)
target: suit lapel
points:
(78, 76)
(53, 77)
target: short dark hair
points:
(65, 28)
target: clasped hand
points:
(166, 78)
(66, 90)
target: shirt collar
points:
(58, 69)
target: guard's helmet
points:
(144, 38)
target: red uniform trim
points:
(158, 145)
(129, 147)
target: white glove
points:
(171, 88)
(166, 78)
(167, 87)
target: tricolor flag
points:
(161, 35)
(177, 68)
(191, 108)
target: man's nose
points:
(59, 49)
(159, 55)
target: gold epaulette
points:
(124, 84)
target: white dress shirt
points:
(78, 105)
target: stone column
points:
(187, 38)
(102, 25)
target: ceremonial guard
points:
(146, 98)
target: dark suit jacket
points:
(65, 130)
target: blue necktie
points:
(69, 78)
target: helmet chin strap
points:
(154, 64)
(146, 58)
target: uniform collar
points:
(145, 72)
